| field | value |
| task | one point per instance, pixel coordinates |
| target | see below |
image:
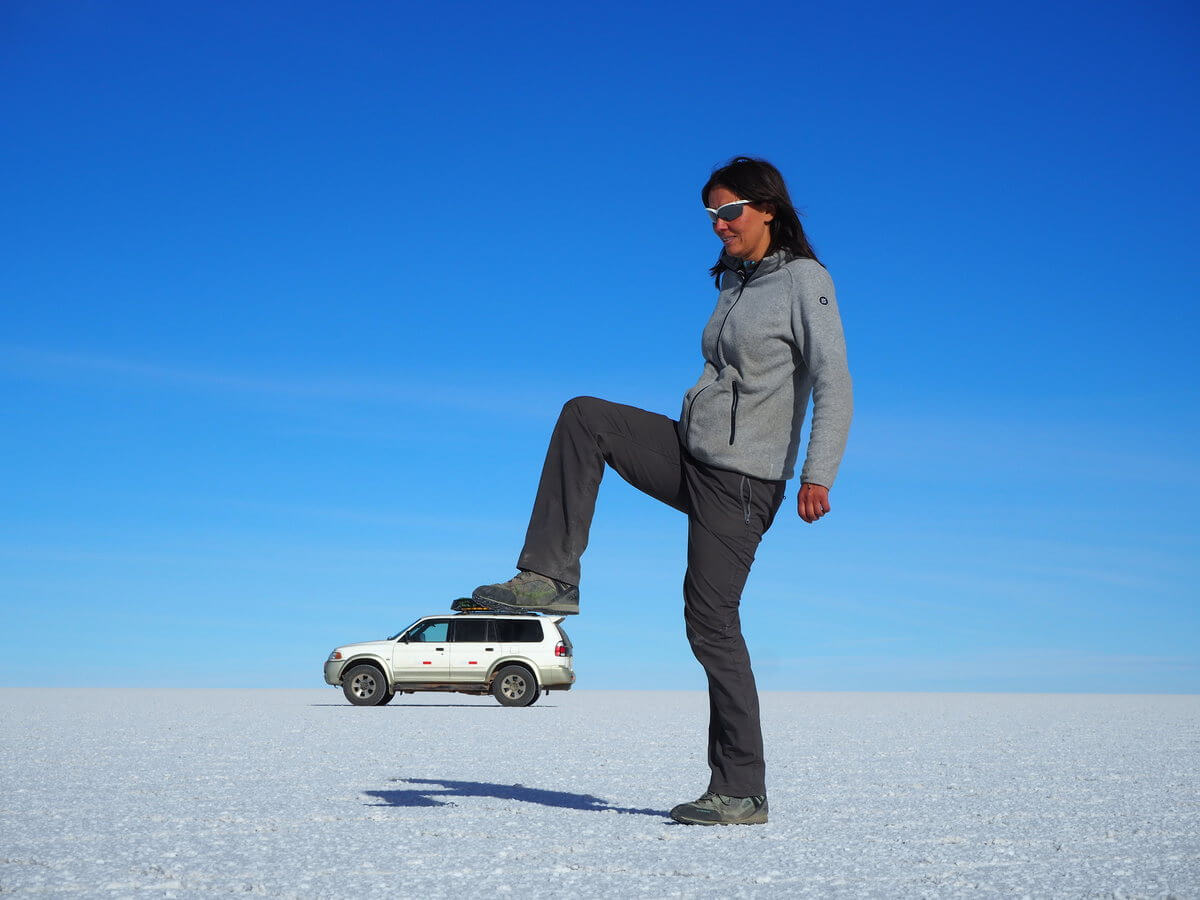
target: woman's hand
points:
(812, 502)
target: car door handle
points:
(440, 649)
(489, 649)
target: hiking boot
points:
(529, 592)
(717, 809)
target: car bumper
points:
(556, 678)
(333, 671)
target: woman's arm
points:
(817, 330)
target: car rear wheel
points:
(365, 686)
(514, 686)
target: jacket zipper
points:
(736, 300)
(733, 415)
(692, 404)
(745, 281)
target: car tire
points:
(515, 686)
(364, 685)
(387, 698)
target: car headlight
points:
(336, 654)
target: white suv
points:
(513, 657)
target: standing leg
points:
(729, 515)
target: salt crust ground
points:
(295, 793)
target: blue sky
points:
(292, 295)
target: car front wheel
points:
(514, 686)
(365, 686)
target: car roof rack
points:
(493, 612)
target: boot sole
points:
(759, 818)
(558, 608)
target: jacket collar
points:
(768, 263)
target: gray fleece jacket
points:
(774, 339)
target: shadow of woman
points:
(439, 792)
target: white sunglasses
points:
(727, 211)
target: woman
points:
(774, 339)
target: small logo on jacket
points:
(824, 301)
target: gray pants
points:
(728, 513)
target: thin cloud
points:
(45, 364)
(994, 661)
(1030, 442)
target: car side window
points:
(469, 630)
(431, 632)
(519, 631)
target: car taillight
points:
(560, 649)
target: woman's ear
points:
(767, 209)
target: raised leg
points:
(642, 447)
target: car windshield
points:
(402, 630)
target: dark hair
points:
(758, 180)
